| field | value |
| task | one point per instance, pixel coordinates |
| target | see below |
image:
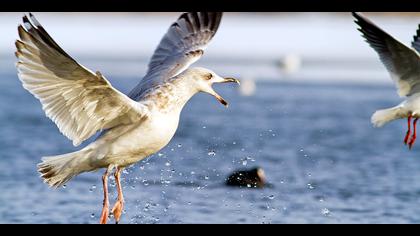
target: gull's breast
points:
(146, 138)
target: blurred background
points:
(309, 86)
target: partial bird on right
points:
(403, 63)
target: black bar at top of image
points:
(211, 5)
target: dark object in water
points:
(252, 178)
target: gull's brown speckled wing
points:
(79, 101)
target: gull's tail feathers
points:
(58, 170)
(381, 117)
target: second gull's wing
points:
(402, 62)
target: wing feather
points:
(182, 45)
(77, 100)
(402, 62)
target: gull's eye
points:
(209, 76)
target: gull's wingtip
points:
(34, 20)
(30, 19)
(358, 16)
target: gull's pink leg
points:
(119, 205)
(413, 138)
(105, 209)
(409, 129)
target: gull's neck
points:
(174, 94)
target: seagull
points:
(83, 103)
(403, 63)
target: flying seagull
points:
(82, 103)
(403, 63)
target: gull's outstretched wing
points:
(79, 101)
(402, 62)
(182, 45)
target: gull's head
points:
(205, 78)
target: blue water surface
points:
(323, 159)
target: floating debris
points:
(251, 178)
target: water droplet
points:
(211, 153)
(92, 188)
(206, 177)
(192, 173)
(248, 186)
(125, 171)
(160, 154)
(234, 143)
(133, 187)
(167, 164)
(271, 197)
(325, 211)
(179, 145)
(310, 186)
(92, 215)
(244, 162)
(64, 186)
(204, 127)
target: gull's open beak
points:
(231, 80)
(220, 99)
(225, 80)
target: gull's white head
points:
(204, 79)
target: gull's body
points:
(126, 145)
(403, 64)
(83, 103)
